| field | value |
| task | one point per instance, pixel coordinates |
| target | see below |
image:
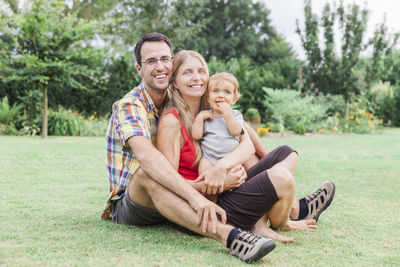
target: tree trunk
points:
(45, 109)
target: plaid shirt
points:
(134, 115)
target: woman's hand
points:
(235, 177)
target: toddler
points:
(219, 128)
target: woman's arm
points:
(169, 143)
(261, 151)
(169, 138)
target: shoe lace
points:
(249, 238)
(314, 195)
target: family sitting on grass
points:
(177, 151)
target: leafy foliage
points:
(330, 73)
(253, 116)
(294, 112)
(50, 50)
(65, 122)
(7, 112)
(383, 98)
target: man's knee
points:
(140, 188)
(151, 187)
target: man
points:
(144, 187)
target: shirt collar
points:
(148, 101)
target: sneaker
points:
(250, 247)
(320, 200)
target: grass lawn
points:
(52, 192)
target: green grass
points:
(52, 192)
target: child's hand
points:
(224, 108)
(205, 115)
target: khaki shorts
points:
(125, 211)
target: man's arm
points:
(261, 151)
(156, 166)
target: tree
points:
(239, 29)
(383, 60)
(45, 48)
(329, 72)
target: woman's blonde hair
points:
(177, 101)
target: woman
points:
(265, 195)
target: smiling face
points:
(221, 91)
(191, 78)
(156, 77)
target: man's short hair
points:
(150, 37)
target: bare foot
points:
(267, 232)
(300, 225)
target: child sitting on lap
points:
(219, 128)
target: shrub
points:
(7, 130)
(66, 122)
(359, 118)
(299, 129)
(29, 127)
(384, 101)
(8, 113)
(335, 104)
(274, 127)
(253, 116)
(289, 109)
(396, 118)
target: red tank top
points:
(188, 153)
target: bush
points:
(396, 118)
(274, 127)
(253, 116)
(299, 129)
(66, 122)
(384, 102)
(335, 104)
(360, 118)
(8, 113)
(289, 109)
(7, 130)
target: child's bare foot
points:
(265, 231)
(310, 224)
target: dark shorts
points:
(246, 204)
(125, 211)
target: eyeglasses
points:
(153, 61)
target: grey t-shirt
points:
(217, 140)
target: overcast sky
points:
(285, 12)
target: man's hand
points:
(235, 177)
(214, 179)
(207, 211)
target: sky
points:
(285, 12)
